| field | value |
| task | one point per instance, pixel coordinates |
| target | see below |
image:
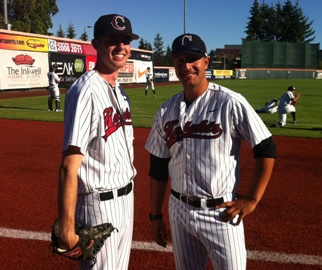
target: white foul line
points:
(251, 255)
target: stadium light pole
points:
(5, 15)
(184, 16)
(90, 26)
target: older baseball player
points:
(287, 105)
(149, 81)
(97, 172)
(196, 139)
(54, 92)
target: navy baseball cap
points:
(291, 88)
(113, 24)
(189, 43)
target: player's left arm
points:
(295, 99)
(265, 154)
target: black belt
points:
(105, 196)
(195, 201)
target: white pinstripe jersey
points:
(93, 122)
(204, 140)
(53, 79)
(148, 75)
(286, 99)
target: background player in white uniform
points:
(196, 138)
(270, 107)
(96, 174)
(287, 105)
(54, 93)
(149, 81)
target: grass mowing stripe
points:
(276, 257)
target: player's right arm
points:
(67, 196)
(157, 192)
(158, 185)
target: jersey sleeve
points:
(79, 119)
(155, 144)
(247, 124)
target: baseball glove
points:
(91, 240)
(296, 99)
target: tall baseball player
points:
(97, 172)
(149, 81)
(196, 140)
(287, 105)
(54, 92)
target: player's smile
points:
(188, 75)
(119, 56)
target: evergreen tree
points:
(168, 57)
(158, 52)
(144, 45)
(280, 23)
(269, 25)
(304, 27)
(84, 35)
(149, 46)
(254, 24)
(60, 32)
(31, 16)
(71, 31)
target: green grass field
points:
(257, 92)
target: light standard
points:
(184, 17)
(5, 15)
(90, 26)
(224, 61)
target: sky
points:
(217, 22)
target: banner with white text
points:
(69, 66)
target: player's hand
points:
(68, 241)
(159, 232)
(242, 207)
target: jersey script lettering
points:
(113, 122)
(203, 130)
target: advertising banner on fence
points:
(23, 70)
(172, 75)
(209, 74)
(65, 47)
(221, 74)
(127, 73)
(161, 74)
(23, 43)
(90, 62)
(141, 68)
(141, 55)
(69, 67)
